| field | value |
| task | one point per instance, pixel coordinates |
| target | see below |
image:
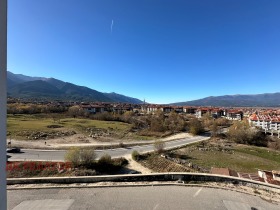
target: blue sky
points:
(163, 51)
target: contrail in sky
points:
(112, 26)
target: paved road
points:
(58, 155)
(156, 197)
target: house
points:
(265, 122)
(93, 108)
(275, 123)
(202, 111)
(177, 109)
(166, 109)
(152, 108)
(216, 112)
(271, 177)
(276, 175)
(189, 109)
(87, 108)
(136, 108)
(234, 114)
(117, 108)
(98, 108)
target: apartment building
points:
(266, 122)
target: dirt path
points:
(177, 136)
(81, 140)
(132, 164)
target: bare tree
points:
(74, 111)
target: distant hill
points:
(125, 99)
(22, 86)
(13, 79)
(257, 100)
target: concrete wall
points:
(196, 177)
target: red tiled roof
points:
(254, 117)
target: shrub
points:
(241, 133)
(195, 126)
(214, 128)
(80, 156)
(274, 144)
(87, 156)
(106, 116)
(157, 125)
(73, 156)
(120, 162)
(105, 160)
(159, 146)
(135, 155)
(106, 164)
(122, 145)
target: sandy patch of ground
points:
(177, 136)
(132, 164)
(54, 143)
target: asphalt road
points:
(58, 155)
(149, 197)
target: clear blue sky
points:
(161, 50)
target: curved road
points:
(145, 197)
(58, 155)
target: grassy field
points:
(243, 158)
(20, 126)
(19, 123)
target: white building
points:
(266, 122)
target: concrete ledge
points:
(185, 177)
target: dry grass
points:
(243, 158)
(160, 164)
(19, 123)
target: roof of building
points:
(266, 118)
(224, 171)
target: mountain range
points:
(26, 87)
(41, 88)
(256, 100)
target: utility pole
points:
(3, 102)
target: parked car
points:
(134, 172)
(13, 150)
(7, 157)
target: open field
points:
(242, 158)
(202, 156)
(39, 123)
(35, 127)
